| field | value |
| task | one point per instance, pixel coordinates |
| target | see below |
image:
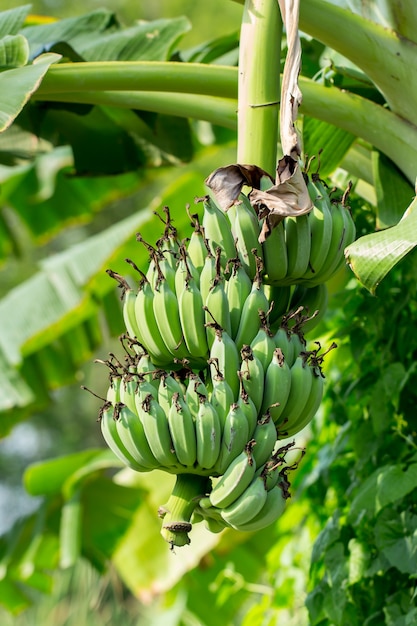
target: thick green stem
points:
(344, 109)
(177, 512)
(214, 80)
(259, 84)
(219, 111)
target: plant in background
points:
(85, 67)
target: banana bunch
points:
(216, 370)
(309, 249)
(250, 495)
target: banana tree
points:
(109, 104)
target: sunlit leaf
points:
(18, 84)
(393, 191)
(12, 20)
(14, 51)
(371, 257)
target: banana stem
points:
(177, 512)
(259, 84)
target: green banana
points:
(311, 407)
(341, 222)
(321, 229)
(270, 512)
(224, 358)
(301, 382)
(168, 386)
(277, 385)
(247, 505)
(133, 437)
(263, 344)
(315, 303)
(256, 301)
(182, 429)
(185, 272)
(112, 438)
(282, 340)
(195, 389)
(216, 305)
(234, 481)
(248, 407)
(128, 390)
(238, 288)
(252, 376)
(192, 318)
(246, 229)
(264, 438)
(166, 312)
(275, 255)
(217, 230)
(234, 439)
(279, 297)
(149, 334)
(298, 239)
(157, 432)
(208, 434)
(222, 396)
(207, 275)
(196, 247)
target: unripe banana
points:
(250, 321)
(216, 305)
(192, 318)
(166, 312)
(342, 229)
(128, 391)
(301, 381)
(182, 429)
(270, 512)
(224, 354)
(185, 272)
(282, 340)
(275, 255)
(218, 231)
(247, 505)
(145, 387)
(280, 297)
(196, 248)
(315, 303)
(112, 438)
(298, 238)
(235, 437)
(265, 438)
(248, 407)
(222, 396)
(321, 229)
(310, 409)
(133, 437)
(238, 288)
(263, 344)
(277, 385)
(168, 386)
(234, 481)
(195, 389)
(207, 275)
(149, 334)
(208, 434)
(246, 229)
(157, 432)
(252, 376)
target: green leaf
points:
(327, 143)
(393, 191)
(73, 29)
(13, 19)
(17, 85)
(47, 478)
(150, 41)
(371, 257)
(14, 51)
(70, 535)
(396, 537)
(385, 486)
